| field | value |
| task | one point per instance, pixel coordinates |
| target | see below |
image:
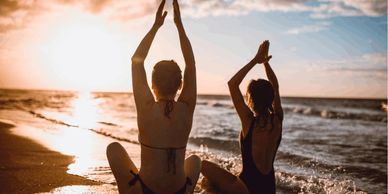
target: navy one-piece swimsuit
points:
(255, 181)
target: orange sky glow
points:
(71, 45)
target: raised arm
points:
(242, 109)
(141, 90)
(274, 81)
(277, 106)
(189, 90)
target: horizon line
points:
(199, 94)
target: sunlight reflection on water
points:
(105, 188)
(79, 141)
(85, 110)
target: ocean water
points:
(328, 145)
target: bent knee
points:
(112, 147)
(194, 159)
(193, 162)
(205, 165)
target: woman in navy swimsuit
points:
(261, 119)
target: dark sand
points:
(28, 167)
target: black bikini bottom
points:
(146, 190)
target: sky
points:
(322, 48)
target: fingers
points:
(262, 53)
(268, 58)
(164, 14)
(177, 14)
(267, 44)
(266, 48)
(161, 6)
(176, 6)
(260, 48)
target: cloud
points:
(93, 6)
(320, 9)
(368, 7)
(375, 58)
(370, 73)
(309, 28)
(132, 8)
(15, 14)
(371, 65)
(349, 8)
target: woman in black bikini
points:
(164, 124)
(261, 120)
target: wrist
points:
(254, 61)
(155, 27)
(266, 61)
(179, 25)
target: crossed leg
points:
(121, 166)
(192, 170)
(225, 181)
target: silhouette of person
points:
(261, 119)
(164, 124)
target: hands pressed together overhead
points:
(161, 15)
(262, 53)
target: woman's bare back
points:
(265, 141)
(160, 135)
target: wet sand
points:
(28, 167)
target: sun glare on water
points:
(80, 141)
(85, 110)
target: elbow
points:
(137, 60)
(231, 84)
(133, 59)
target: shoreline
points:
(28, 167)
(221, 95)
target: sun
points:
(82, 53)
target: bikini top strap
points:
(168, 107)
(171, 155)
(161, 148)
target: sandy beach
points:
(56, 142)
(28, 167)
